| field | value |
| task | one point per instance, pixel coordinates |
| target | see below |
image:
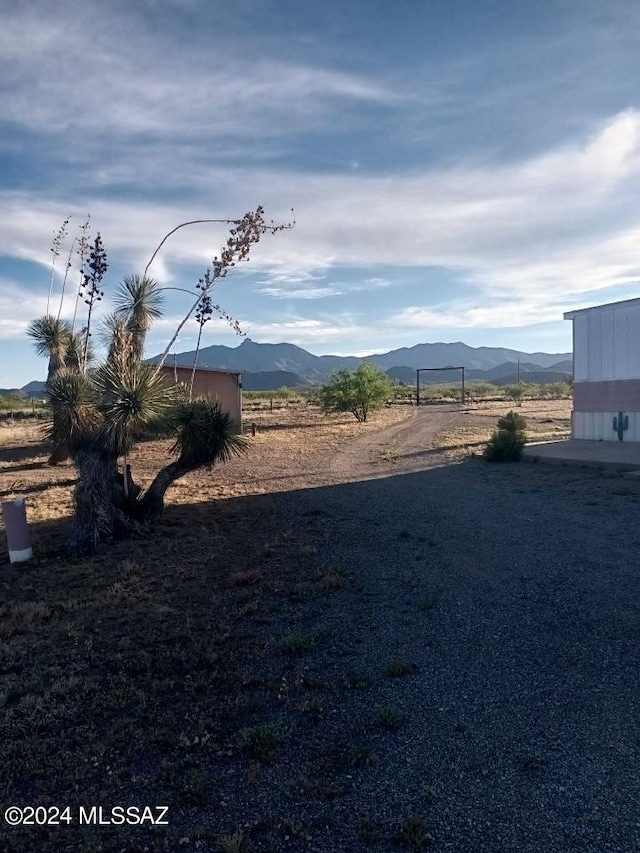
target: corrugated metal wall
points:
(606, 351)
(606, 344)
(598, 426)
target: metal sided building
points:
(606, 371)
(221, 385)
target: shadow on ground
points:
(449, 654)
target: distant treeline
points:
(485, 391)
(15, 407)
(405, 394)
(20, 405)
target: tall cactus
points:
(621, 425)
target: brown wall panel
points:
(212, 384)
(613, 395)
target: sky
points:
(459, 170)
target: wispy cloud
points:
(309, 332)
(283, 283)
(299, 292)
(92, 87)
(19, 305)
(563, 223)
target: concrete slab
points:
(615, 455)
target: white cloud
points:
(536, 235)
(376, 281)
(18, 306)
(308, 332)
(287, 283)
(299, 292)
(84, 84)
(464, 314)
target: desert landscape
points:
(356, 637)
(293, 443)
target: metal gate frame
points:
(419, 370)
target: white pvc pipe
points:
(18, 536)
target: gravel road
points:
(513, 593)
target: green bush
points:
(479, 390)
(505, 446)
(12, 402)
(508, 440)
(512, 422)
(439, 392)
(360, 392)
(515, 393)
(560, 390)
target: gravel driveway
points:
(512, 591)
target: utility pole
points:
(518, 371)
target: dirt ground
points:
(294, 446)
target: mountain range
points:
(266, 367)
(271, 366)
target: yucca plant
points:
(131, 396)
(94, 270)
(72, 398)
(204, 435)
(74, 354)
(138, 301)
(98, 414)
(52, 338)
(56, 247)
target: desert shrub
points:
(512, 422)
(401, 391)
(11, 402)
(508, 440)
(439, 392)
(389, 716)
(560, 390)
(480, 390)
(413, 832)
(504, 446)
(516, 393)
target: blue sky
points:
(459, 169)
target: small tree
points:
(360, 392)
